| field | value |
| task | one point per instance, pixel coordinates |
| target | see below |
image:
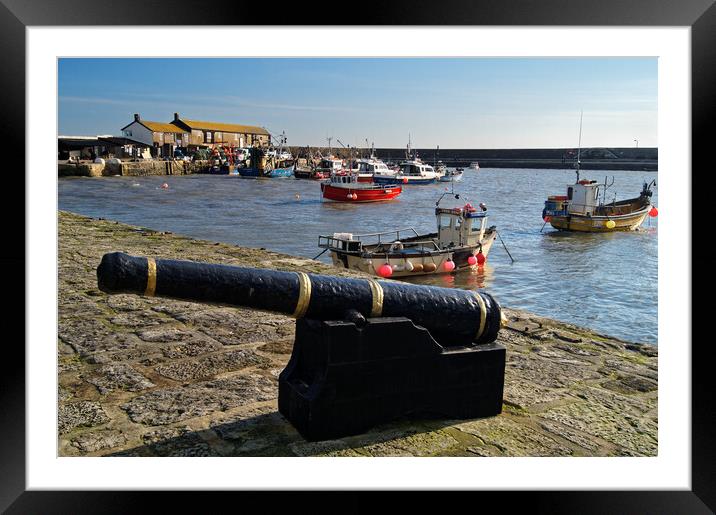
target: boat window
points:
(570, 192)
(445, 221)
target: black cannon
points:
(365, 351)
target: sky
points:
(446, 102)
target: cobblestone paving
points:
(153, 377)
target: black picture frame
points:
(16, 15)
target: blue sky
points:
(453, 103)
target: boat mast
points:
(329, 144)
(579, 146)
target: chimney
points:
(136, 117)
(176, 117)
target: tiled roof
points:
(161, 127)
(224, 127)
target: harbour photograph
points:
(358, 257)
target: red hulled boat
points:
(346, 188)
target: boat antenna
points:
(330, 138)
(579, 146)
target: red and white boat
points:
(346, 188)
(327, 167)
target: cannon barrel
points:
(454, 317)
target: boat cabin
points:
(583, 198)
(459, 227)
(371, 166)
(339, 180)
(416, 168)
(330, 165)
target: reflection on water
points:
(604, 281)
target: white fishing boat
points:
(454, 175)
(462, 242)
(412, 171)
(475, 165)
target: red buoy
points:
(481, 258)
(472, 261)
(449, 265)
(653, 212)
(547, 219)
(405, 180)
(385, 270)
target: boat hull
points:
(420, 264)
(273, 174)
(341, 194)
(401, 180)
(580, 223)
(302, 174)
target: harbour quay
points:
(150, 376)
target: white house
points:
(164, 138)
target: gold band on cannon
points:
(304, 295)
(376, 289)
(151, 277)
(483, 315)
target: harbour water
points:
(607, 282)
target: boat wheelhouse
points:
(367, 168)
(328, 166)
(462, 242)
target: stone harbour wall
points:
(145, 376)
(131, 168)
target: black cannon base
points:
(343, 380)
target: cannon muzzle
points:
(454, 317)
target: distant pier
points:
(601, 158)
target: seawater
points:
(606, 282)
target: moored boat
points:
(462, 241)
(475, 165)
(581, 210)
(327, 167)
(303, 172)
(271, 163)
(454, 175)
(346, 188)
(411, 171)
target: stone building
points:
(163, 138)
(211, 134)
